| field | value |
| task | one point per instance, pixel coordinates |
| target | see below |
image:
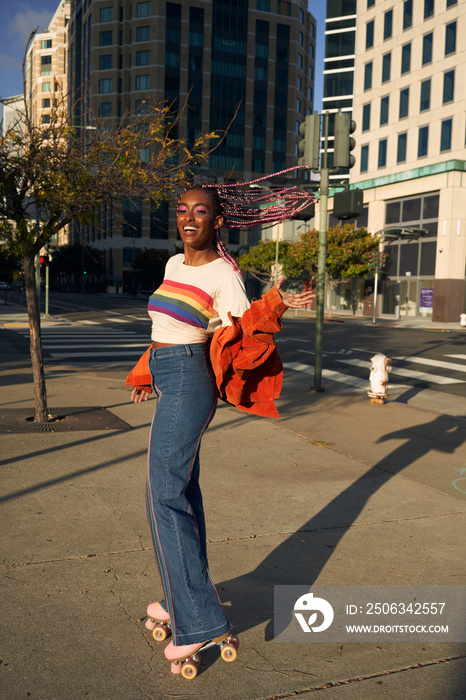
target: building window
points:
(448, 86)
(386, 67)
(451, 3)
(405, 58)
(284, 8)
(364, 158)
(105, 109)
(132, 218)
(172, 59)
(46, 44)
(142, 58)
(382, 160)
(46, 65)
(300, 56)
(427, 41)
(263, 5)
(46, 119)
(445, 135)
(130, 254)
(407, 14)
(143, 9)
(105, 85)
(106, 61)
(388, 25)
(368, 76)
(143, 34)
(106, 38)
(46, 103)
(300, 83)
(423, 142)
(425, 95)
(46, 87)
(384, 102)
(370, 34)
(401, 148)
(366, 117)
(370, 3)
(142, 82)
(301, 38)
(428, 8)
(450, 38)
(106, 14)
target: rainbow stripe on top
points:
(183, 302)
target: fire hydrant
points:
(381, 366)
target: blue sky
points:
(20, 17)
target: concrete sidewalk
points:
(334, 492)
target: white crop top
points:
(193, 301)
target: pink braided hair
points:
(238, 204)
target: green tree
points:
(260, 261)
(348, 253)
(51, 175)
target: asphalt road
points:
(428, 362)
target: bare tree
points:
(54, 174)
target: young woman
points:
(189, 312)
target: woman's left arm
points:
(295, 301)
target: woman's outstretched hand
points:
(295, 301)
(139, 395)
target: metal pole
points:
(376, 283)
(38, 279)
(323, 211)
(47, 287)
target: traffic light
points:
(309, 146)
(42, 259)
(343, 141)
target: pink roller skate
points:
(186, 659)
(158, 622)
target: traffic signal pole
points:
(322, 255)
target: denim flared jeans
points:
(186, 402)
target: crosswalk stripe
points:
(118, 320)
(453, 366)
(457, 357)
(355, 382)
(412, 373)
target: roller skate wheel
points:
(160, 632)
(175, 667)
(229, 652)
(234, 640)
(189, 670)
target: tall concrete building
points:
(339, 66)
(46, 75)
(407, 95)
(254, 58)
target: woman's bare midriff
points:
(155, 345)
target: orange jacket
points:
(246, 364)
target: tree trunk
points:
(37, 360)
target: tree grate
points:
(61, 420)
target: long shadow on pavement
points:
(297, 560)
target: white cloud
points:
(25, 21)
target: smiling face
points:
(196, 219)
